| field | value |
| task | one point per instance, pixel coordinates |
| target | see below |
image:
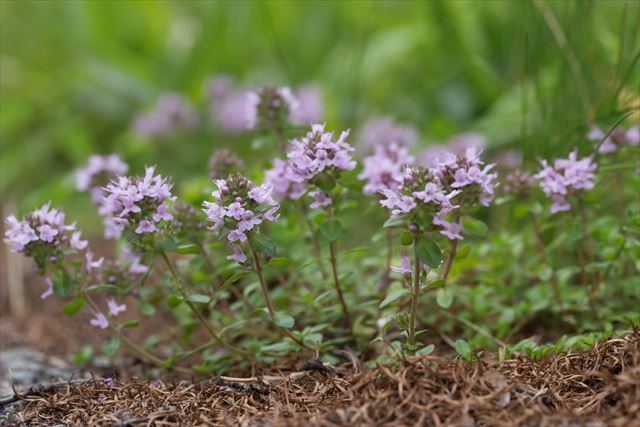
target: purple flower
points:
(280, 179)
(310, 109)
(616, 140)
(98, 172)
(382, 169)
(136, 202)
(240, 206)
(565, 178)
(456, 145)
(382, 131)
(238, 255)
(405, 268)
(114, 308)
(317, 153)
(42, 230)
(171, 114)
(110, 382)
(321, 199)
(100, 321)
(90, 263)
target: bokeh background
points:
(526, 74)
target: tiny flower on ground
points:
(99, 321)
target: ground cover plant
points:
(266, 252)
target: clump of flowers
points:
(457, 145)
(618, 138)
(382, 168)
(279, 177)
(421, 197)
(469, 174)
(137, 204)
(43, 235)
(519, 182)
(566, 178)
(223, 162)
(238, 208)
(270, 108)
(172, 113)
(98, 172)
(383, 130)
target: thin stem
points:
(545, 258)
(588, 248)
(452, 253)
(415, 294)
(131, 345)
(336, 284)
(197, 313)
(269, 302)
(314, 240)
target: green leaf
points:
(83, 356)
(147, 309)
(111, 346)
(320, 218)
(234, 278)
(395, 221)
(168, 245)
(474, 226)
(463, 251)
(63, 286)
(331, 229)
(444, 297)
(284, 320)
(436, 283)
(188, 249)
(199, 299)
(462, 347)
(394, 295)
(174, 300)
(429, 252)
(325, 182)
(279, 262)
(425, 351)
(72, 308)
(263, 244)
(406, 238)
(131, 324)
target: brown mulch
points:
(600, 387)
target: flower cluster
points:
(565, 178)
(136, 203)
(270, 108)
(618, 139)
(98, 172)
(238, 208)
(380, 171)
(279, 177)
(383, 130)
(420, 194)
(457, 145)
(519, 182)
(43, 234)
(223, 162)
(172, 113)
(467, 173)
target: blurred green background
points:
(529, 75)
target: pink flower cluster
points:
(172, 113)
(457, 145)
(43, 232)
(618, 139)
(235, 109)
(136, 202)
(384, 130)
(380, 171)
(279, 177)
(98, 172)
(467, 173)
(238, 208)
(566, 178)
(419, 191)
